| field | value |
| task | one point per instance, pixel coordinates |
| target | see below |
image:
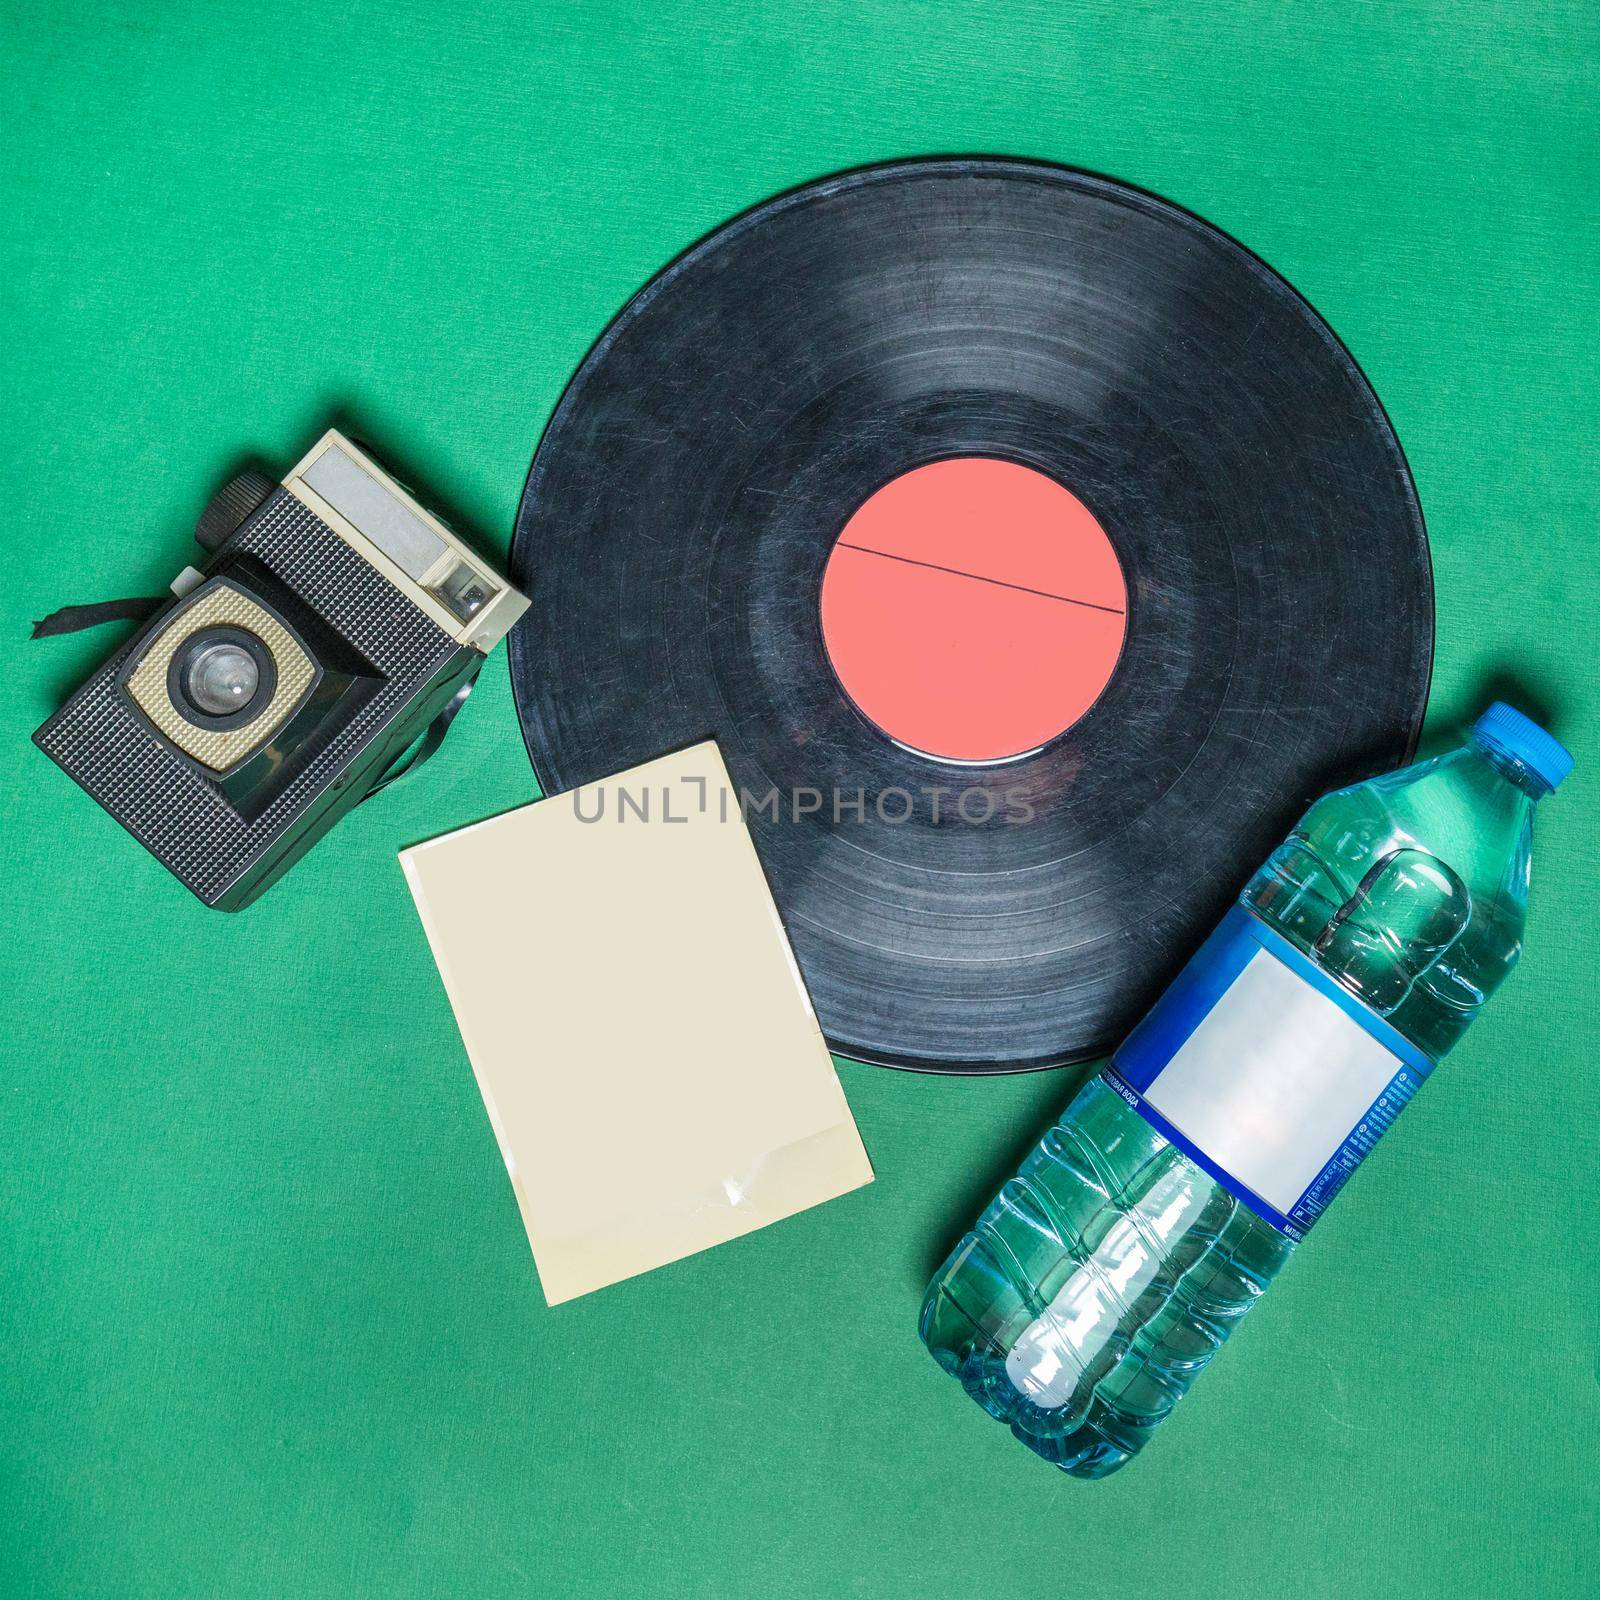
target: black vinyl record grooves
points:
(1275, 638)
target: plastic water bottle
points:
(1108, 1272)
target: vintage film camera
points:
(334, 630)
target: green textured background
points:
(268, 1324)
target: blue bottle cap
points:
(1505, 729)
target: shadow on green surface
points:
(1544, 702)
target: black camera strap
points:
(423, 749)
(72, 619)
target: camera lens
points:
(221, 678)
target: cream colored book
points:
(639, 1030)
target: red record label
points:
(973, 609)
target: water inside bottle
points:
(1108, 1272)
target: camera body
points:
(335, 623)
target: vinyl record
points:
(1009, 492)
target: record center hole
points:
(973, 609)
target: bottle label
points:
(1267, 1073)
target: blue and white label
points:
(1267, 1073)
